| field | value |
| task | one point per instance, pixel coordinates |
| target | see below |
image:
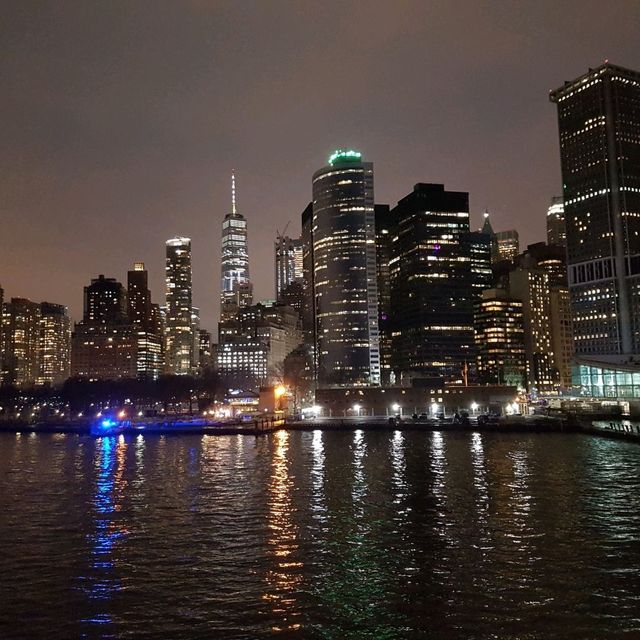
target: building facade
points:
(506, 246)
(531, 287)
(179, 339)
(599, 125)
(253, 345)
(55, 344)
(499, 336)
(432, 290)
(21, 330)
(104, 344)
(345, 289)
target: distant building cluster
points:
(378, 296)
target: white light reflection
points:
(481, 487)
(438, 465)
(359, 490)
(318, 501)
(399, 467)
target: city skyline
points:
(133, 157)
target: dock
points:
(611, 428)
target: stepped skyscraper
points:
(235, 286)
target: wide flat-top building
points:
(499, 335)
(432, 290)
(20, 342)
(252, 345)
(347, 347)
(35, 343)
(599, 127)
(55, 344)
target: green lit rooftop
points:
(344, 155)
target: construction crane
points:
(281, 235)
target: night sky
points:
(122, 121)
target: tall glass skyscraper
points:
(599, 126)
(179, 341)
(344, 273)
(235, 286)
(288, 263)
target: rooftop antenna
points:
(233, 192)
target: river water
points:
(341, 535)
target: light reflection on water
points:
(103, 582)
(350, 534)
(285, 575)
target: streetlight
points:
(396, 407)
(474, 406)
(356, 408)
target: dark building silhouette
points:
(144, 316)
(309, 302)
(432, 288)
(104, 345)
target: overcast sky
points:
(121, 121)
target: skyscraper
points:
(432, 290)
(556, 229)
(179, 339)
(21, 342)
(499, 336)
(344, 272)
(599, 127)
(143, 316)
(506, 245)
(288, 263)
(55, 344)
(383, 256)
(235, 286)
(104, 344)
(531, 287)
(551, 258)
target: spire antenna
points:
(233, 192)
